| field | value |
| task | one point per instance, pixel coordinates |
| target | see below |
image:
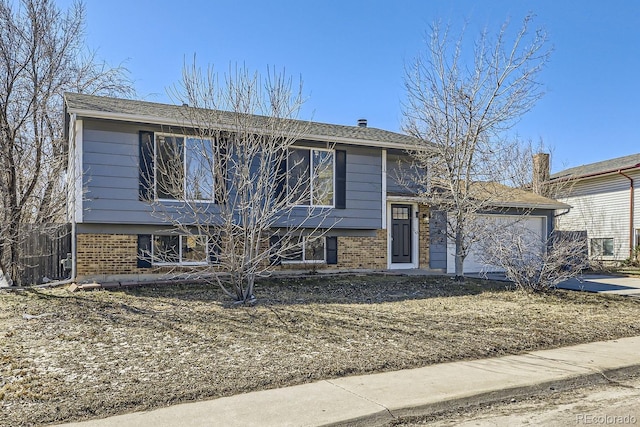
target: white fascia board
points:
(530, 205)
(412, 199)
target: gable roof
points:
(599, 168)
(102, 107)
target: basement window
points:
(309, 249)
(180, 250)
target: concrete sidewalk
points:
(379, 398)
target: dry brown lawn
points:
(72, 356)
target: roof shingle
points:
(599, 168)
(133, 110)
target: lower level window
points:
(602, 247)
(180, 249)
(310, 249)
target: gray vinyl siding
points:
(87, 228)
(111, 174)
(399, 173)
(438, 240)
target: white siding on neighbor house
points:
(600, 205)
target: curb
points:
(385, 417)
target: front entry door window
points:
(401, 233)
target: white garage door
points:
(472, 263)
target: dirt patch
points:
(612, 403)
(76, 356)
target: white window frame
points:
(311, 169)
(303, 242)
(180, 262)
(602, 239)
(184, 166)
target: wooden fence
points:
(42, 249)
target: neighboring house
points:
(604, 204)
(376, 223)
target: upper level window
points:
(311, 174)
(183, 168)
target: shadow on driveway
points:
(602, 283)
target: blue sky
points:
(351, 56)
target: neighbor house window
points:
(311, 176)
(183, 168)
(184, 249)
(602, 247)
(309, 249)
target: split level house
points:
(375, 222)
(605, 205)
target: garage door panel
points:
(473, 262)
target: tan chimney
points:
(540, 179)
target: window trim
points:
(154, 259)
(311, 168)
(303, 242)
(184, 166)
(602, 246)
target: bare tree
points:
(460, 113)
(534, 262)
(41, 56)
(236, 190)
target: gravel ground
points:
(72, 356)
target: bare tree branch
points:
(459, 115)
(533, 262)
(40, 58)
(234, 179)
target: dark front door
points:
(400, 233)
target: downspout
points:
(631, 206)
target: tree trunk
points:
(460, 256)
(248, 295)
(13, 272)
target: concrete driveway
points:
(629, 286)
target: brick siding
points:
(363, 252)
(112, 254)
(106, 254)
